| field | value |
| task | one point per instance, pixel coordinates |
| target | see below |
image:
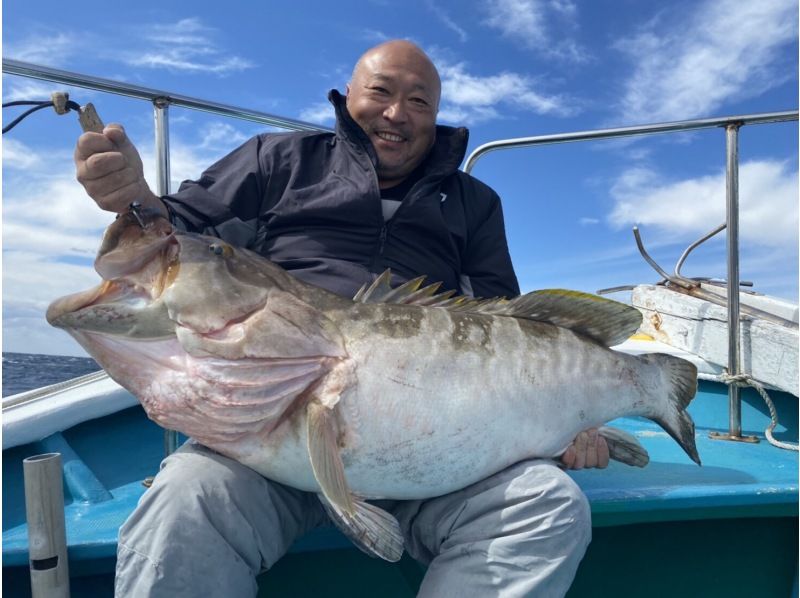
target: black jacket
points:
(310, 202)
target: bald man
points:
(336, 210)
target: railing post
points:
(161, 116)
(732, 218)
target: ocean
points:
(24, 371)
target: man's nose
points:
(395, 112)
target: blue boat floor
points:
(736, 479)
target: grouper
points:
(398, 393)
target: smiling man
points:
(394, 97)
(336, 210)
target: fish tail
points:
(681, 376)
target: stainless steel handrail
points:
(670, 127)
(35, 71)
(731, 125)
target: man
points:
(336, 210)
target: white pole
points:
(47, 537)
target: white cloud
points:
(48, 48)
(187, 46)
(220, 135)
(320, 113)
(374, 36)
(691, 66)
(17, 155)
(469, 98)
(768, 211)
(586, 221)
(447, 21)
(540, 25)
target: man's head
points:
(394, 96)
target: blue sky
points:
(510, 68)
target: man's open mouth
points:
(390, 136)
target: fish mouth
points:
(135, 287)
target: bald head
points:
(394, 96)
(404, 53)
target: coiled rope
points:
(747, 380)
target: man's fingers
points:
(98, 166)
(603, 456)
(568, 458)
(92, 143)
(116, 133)
(591, 448)
(110, 182)
(580, 450)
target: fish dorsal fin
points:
(413, 293)
(606, 321)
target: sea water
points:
(25, 371)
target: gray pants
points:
(209, 525)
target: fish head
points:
(158, 281)
(136, 264)
(196, 328)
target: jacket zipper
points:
(382, 239)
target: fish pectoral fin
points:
(624, 447)
(323, 449)
(373, 530)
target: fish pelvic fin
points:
(373, 530)
(323, 450)
(624, 447)
(682, 386)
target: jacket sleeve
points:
(487, 270)
(226, 200)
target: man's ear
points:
(347, 91)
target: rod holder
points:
(47, 536)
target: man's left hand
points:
(589, 449)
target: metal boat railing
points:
(732, 124)
(162, 100)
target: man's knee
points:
(202, 471)
(553, 500)
(193, 485)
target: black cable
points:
(17, 120)
(70, 105)
(26, 103)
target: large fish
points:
(399, 393)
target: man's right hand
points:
(110, 169)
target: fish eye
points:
(217, 248)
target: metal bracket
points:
(731, 438)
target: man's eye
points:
(379, 89)
(419, 101)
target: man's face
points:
(394, 97)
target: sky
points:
(509, 68)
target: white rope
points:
(746, 379)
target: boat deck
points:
(737, 480)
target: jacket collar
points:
(444, 158)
